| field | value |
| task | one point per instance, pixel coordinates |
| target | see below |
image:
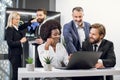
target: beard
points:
(94, 41)
(80, 23)
(40, 20)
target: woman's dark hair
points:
(47, 27)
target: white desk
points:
(39, 72)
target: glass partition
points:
(4, 63)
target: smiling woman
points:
(50, 32)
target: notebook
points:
(83, 60)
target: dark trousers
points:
(15, 62)
(37, 61)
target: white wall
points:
(106, 12)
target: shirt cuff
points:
(100, 61)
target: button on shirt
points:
(98, 44)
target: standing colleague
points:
(34, 24)
(96, 37)
(15, 39)
(33, 27)
(76, 31)
(41, 15)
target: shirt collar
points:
(98, 44)
(78, 26)
(15, 27)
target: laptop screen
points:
(83, 60)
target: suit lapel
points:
(86, 29)
(101, 45)
(91, 47)
(75, 30)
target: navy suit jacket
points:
(71, 37)
(107, 49)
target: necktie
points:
(95, 47)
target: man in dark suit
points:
(33, 27)
(41, 15)
(96, 37)
(76, 31)
(34, 24)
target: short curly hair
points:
(47, 27)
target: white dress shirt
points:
(59, 56)
(98, 44)
(81, 33)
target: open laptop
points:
(83, 60)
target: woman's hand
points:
(23, 40)
(49, 42)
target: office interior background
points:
(95, 11)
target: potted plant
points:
(30, 66)
(48, 66)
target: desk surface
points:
(39, 72)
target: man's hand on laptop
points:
(69, 56)
(99, 65)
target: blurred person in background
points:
(34, 24)
(33, 27)
(15, 39)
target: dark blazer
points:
(13, 40)
(108, 55)
(24, 27)
(71, 37)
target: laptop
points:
(83, 60)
